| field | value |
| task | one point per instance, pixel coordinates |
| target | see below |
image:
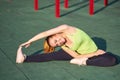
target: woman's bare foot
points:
(20, 56)
(79, 61)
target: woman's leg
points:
(102, 60)
(57, 55)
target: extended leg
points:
(58, 55)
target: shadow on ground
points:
(101, 43)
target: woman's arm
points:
(47, 33)
(76, 55)
(70, 52)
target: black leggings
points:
(101, 60)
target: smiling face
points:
(56, 40)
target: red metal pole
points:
(57, 8)
(35, 4)
(91, 7)
(105, 2)
(66, 3)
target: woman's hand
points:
(99, 52)
(26, 44)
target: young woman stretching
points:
(75, 44)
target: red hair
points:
(47, 47)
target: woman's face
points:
(56, 40)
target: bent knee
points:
(113, 61)
(110, 60)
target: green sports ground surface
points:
(19, 22)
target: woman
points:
(75, 44)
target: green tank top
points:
(81, 42)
